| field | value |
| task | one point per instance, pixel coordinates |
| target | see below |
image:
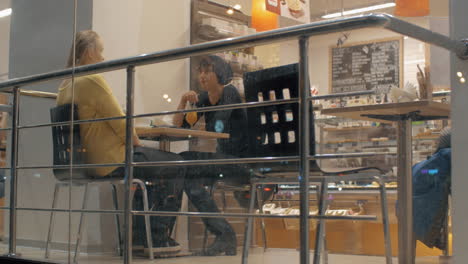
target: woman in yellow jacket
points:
(105, 142)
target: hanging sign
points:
(295, 9)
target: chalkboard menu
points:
(367, 66)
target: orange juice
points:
(191, 118)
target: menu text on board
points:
(370, 66)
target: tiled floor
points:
(257, 256)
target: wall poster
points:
(298, 10)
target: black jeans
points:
(197, 177)
(165, 187)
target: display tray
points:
(340, 188)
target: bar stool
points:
(274, 132)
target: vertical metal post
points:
(249, 224)
(304, 147)
(459, 92)
(14, 172)
(128, 167)
(405, 194)
(321, 146)
(260, 203)
(445, 252)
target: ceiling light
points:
(359, 10)
(169, 100)
(237, 6)
(165, 96)
(462, 80)
(230, 11)
(459, 74)
(5, 12)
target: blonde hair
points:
(84, 41)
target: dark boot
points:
(225, 241)
(160, 233)
(164, 196)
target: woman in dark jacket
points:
(215, 76)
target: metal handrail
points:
(252, 160)
(201, 214)
(184, 111)
(317, 28)
(300, 32)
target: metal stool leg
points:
(205, 232)
(223, 200)
(320, 231)
(117, 220)
(325, 249)
(80, 226)
(385, 222)
(264, 235)
(248, 225)
(324, 228)
(149, 237)
(260, 203)
(51, 221)
(445, 252)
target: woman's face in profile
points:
(94, 53)
(99, 50)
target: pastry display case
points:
(343, 237)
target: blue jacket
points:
(431, 187)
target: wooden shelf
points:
(208, 33)
(379, 146)
(348, 128)
(203, 9)
(346, 142)
(376, 141)
(239, 71)
(431, 137)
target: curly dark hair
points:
(219, 66)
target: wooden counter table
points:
(167, 134)
(425, 108)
